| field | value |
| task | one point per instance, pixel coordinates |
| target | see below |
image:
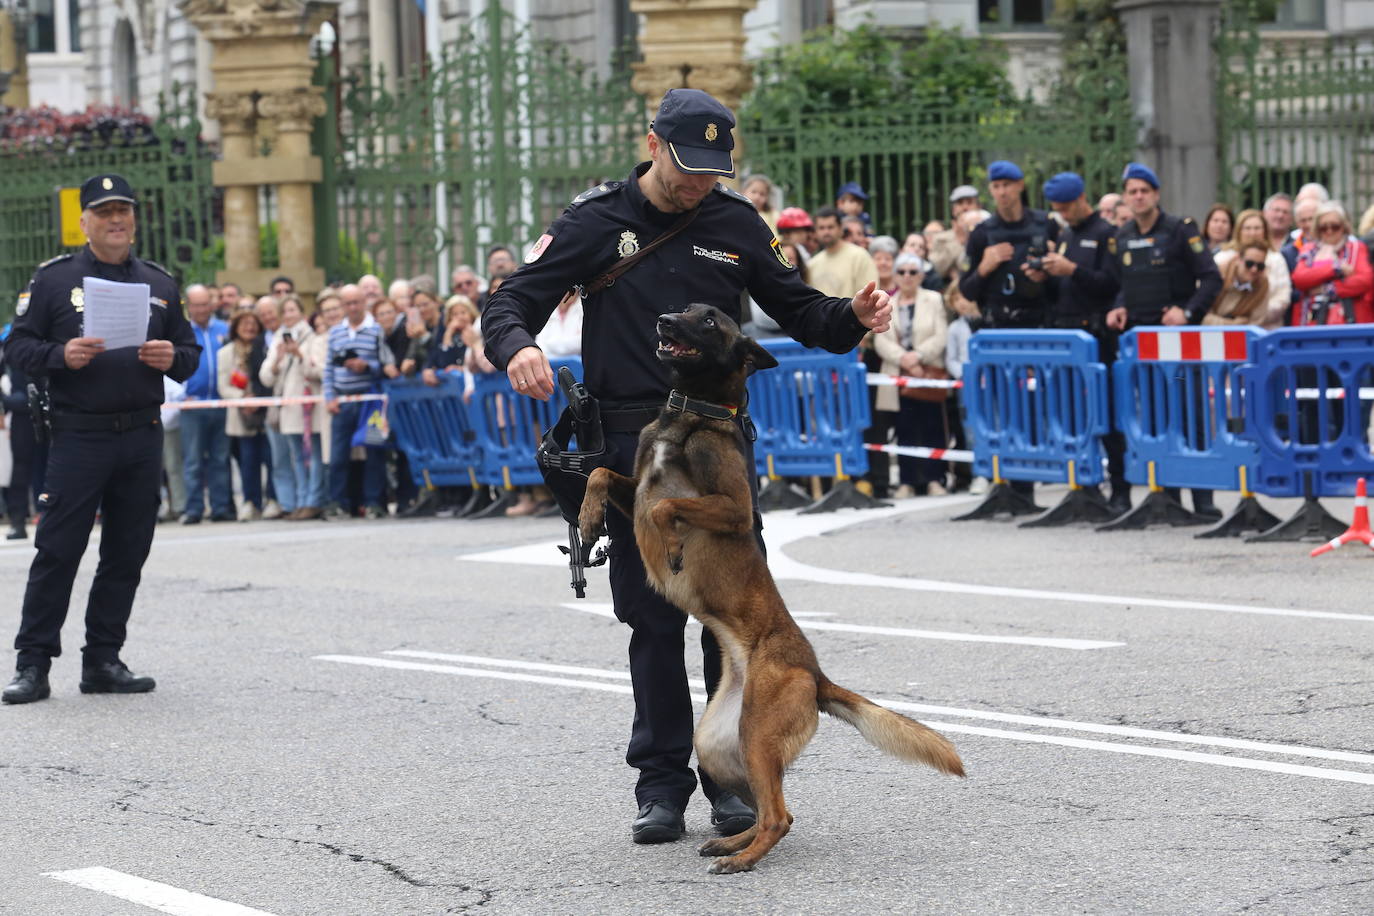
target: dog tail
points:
(890, 732)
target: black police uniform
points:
(28, 456)
(726, 249)
(1007, 298)
(1165, 267)
(105, 453)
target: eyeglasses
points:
(908, 273)
(1330, 227)
(1254, 265)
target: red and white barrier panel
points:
(271, 402)
(1191, 346)
(880, 380)
(914, 451)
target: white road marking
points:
(605, 610)
(152, 894)
(527, 666)
(782, 528)
(1034, 721)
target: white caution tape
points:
(880, 380)
(272, 402)
(913, 451)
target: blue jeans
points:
(307, 475)
(252, 456)
(205, 457)
(280, 476)
(342, 426)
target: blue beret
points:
(1141, 171)
(1064, 188)
(1004, 170)
(851, 187)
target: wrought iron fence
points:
(909, 159)
(169, 170)
(1293, 111)
(486, 146)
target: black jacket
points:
(1169, 266)
(1087, 294)
(727, 248)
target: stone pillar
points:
(260, 61)
(693, 44)
(14, 66)
(1173, 79)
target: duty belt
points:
(107, 422)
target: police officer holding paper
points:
(708, 245)
(105, 453)
(1003, 269)
(1087, 292)
(1167, 276)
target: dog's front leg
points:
(717, 513)
(604, 485)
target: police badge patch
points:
(78, 299)
(629, 244)
(22, 306)
(1195, 243)
(782, 258)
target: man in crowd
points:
(352, 366)
(947, 245)
(1166, 275)
(371, 287)
(500, 260)
(999, 270)
(1087, 292)
(229, 295)
(283, 286)
(465, 282)
(268, 310)
(1278, 218)
(400, 292)
(840, 268)
(855, 231)
(204, 442)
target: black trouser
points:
(23, 450)
(661, 737)
(117, 474)
(921, 423)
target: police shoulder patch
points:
(1111, 244)
(734, 195)
(601, 190)
(57, 260)
(22, 306)
(158, 267)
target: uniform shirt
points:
(726, 249)
(1007, 297)
(1184, 273)
(1090, 291)
(49, 315)
(842, 270)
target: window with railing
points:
(1005, 15)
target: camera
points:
(285, 335)
(342, 358)
(1035, 258)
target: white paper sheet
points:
(116, 312)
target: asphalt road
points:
(419, 717)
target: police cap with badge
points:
(698, 131)
(101, 189)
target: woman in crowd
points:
(1244, 296)
(450, 351)
(422, 332)
(883, 249)
(1218, 228)
(393, 334)
(246, 424)
(285, 371)
(1250, 228)
(916, 244)
(759, 189)
(914, 345)
(329, 312)
(1333, 274)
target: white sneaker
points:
(935, 488)
(248, 512)
(905, 491)
(978, 486)
(272, 509)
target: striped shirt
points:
(366, 342)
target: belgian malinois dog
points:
(694, 525)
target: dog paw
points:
(729, 865)
(590, 524)
(713, 848)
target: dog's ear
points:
(755, 353)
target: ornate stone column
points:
(14, 67)
(693, 44)
(260, 61)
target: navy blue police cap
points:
(1064, 188)
(698, 131)
(99, 189)
(1141, 171)
(1004, 170)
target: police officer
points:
(1000, 270)
(1167, 276)
(721, 248)
(106, 448)
(1087, 292)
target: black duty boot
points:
(113, 677)
(1120, 501)
(730, 816)
(30, 683)
(17, 531)
(1204, 508)
(658, 822)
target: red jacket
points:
(1312, 277)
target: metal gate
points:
(484, 147)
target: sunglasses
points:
(1330, 227)
(908, 273)
(1254, 265)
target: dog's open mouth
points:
(669, 347)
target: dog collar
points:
(680, 402)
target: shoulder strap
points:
(624, 264)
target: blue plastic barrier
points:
(1179, 405)
(1306, 414)
(1037, 404)
(810, 413)
(432, 430)
(508, 427)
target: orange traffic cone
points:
(1359, 528)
